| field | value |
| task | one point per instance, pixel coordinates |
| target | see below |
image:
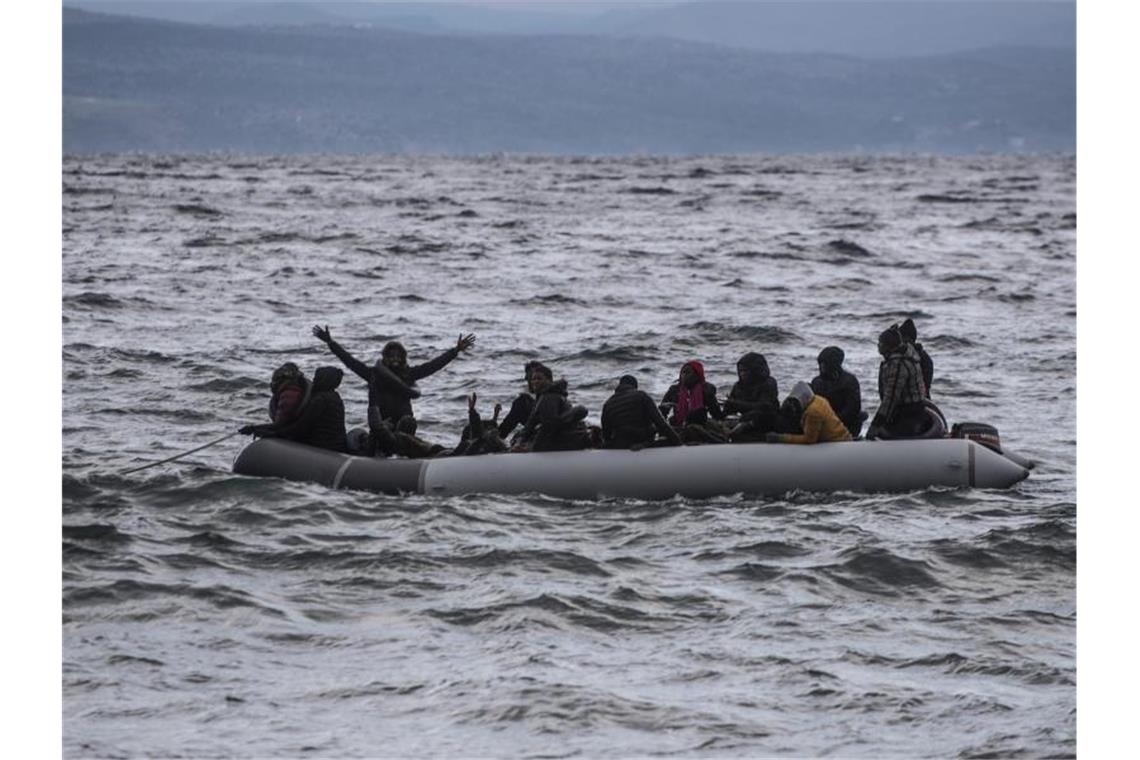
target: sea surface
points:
(211, 615)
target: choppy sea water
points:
(212, 615)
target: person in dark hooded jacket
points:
(391, 388)
(555, 424)
(630, 419)
(755, 397)
(693, 406)
(910, 335)
(391, 381)
(523, 404)
(840, 388)
(902, 413)
(319, 422)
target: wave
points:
(881, 572)
(196, 209)
(713, 332)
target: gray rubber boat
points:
(692, 471)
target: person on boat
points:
(523, 404)
(479, 437)
(693, 407)
(318, 421)
(391, 385)
(840, 388)
(755, 397)
(391, 381)
(630, 419)
(901, 413)
(289, 391)
(910, 335)
(818, 420)
(554, 424)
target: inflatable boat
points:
(656, 473)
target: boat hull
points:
(660, 473)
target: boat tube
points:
(657, 473)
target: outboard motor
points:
(978, 432)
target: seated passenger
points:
(318, 422)
(910, 335)
(840, 388)
(289, 389)
(630, 419)
(554, 424)
(901, 411)
(755, 397)
(691, 402)
(523, 404)
(817, 419)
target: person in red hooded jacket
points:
(692, 406)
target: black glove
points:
(254, 430)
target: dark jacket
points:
(519, 413)
(844, 396)
(554, 423)
(391, 391)
(900, 385)
(321, 421)
(712, 405)
(629, 417)
(757, 399)
(927, 365)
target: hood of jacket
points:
(327, 379)
(698, 369)
(802, 392)
(756, 364)
(831, 357)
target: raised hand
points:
(471, 398)
(465, 342)
(498, 409)
(322, 333)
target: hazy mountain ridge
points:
(133, 84)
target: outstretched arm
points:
(435, 365)
(359, 368)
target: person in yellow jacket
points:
(818, 421)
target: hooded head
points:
(286, 373)
(327, 378)
(830, 361)
(395, 355)
(627, 381)
(692, 373)
(890, 340)
(802, 393)
(908, 330)
(752, 368)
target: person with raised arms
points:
(391, 385)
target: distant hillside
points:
(868, 28)
(131, 84)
